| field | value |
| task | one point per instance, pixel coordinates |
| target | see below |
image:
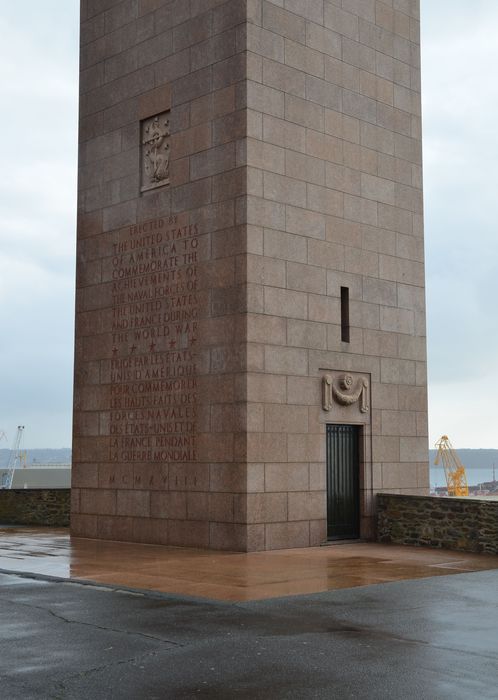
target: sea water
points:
(474, 476)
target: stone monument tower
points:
(250, 332)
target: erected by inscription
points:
(154, 357)
(155, 151)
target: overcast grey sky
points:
(460, 106)
(38, 82)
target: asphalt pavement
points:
(425, 639)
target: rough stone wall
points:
(465, 524)
(50, 507)
(334, 199)
(161, 462)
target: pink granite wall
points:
(334, 158)
(159, 428)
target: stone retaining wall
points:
(35, 507)
(465, 524)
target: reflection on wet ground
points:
(225, 575)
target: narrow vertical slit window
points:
(345, 335)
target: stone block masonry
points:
(242, 163)
(466, 524)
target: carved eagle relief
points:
(155, 151)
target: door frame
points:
(359, 430)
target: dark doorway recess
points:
(343, 482)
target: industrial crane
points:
(456, 478)
(14, 458)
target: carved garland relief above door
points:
(345, 390)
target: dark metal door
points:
(343, 482)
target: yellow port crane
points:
(456, 478)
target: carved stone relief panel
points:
(155, 151)
(346, 393)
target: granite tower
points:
(250, 331)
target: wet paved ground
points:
(427, 639)
(224, 575)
